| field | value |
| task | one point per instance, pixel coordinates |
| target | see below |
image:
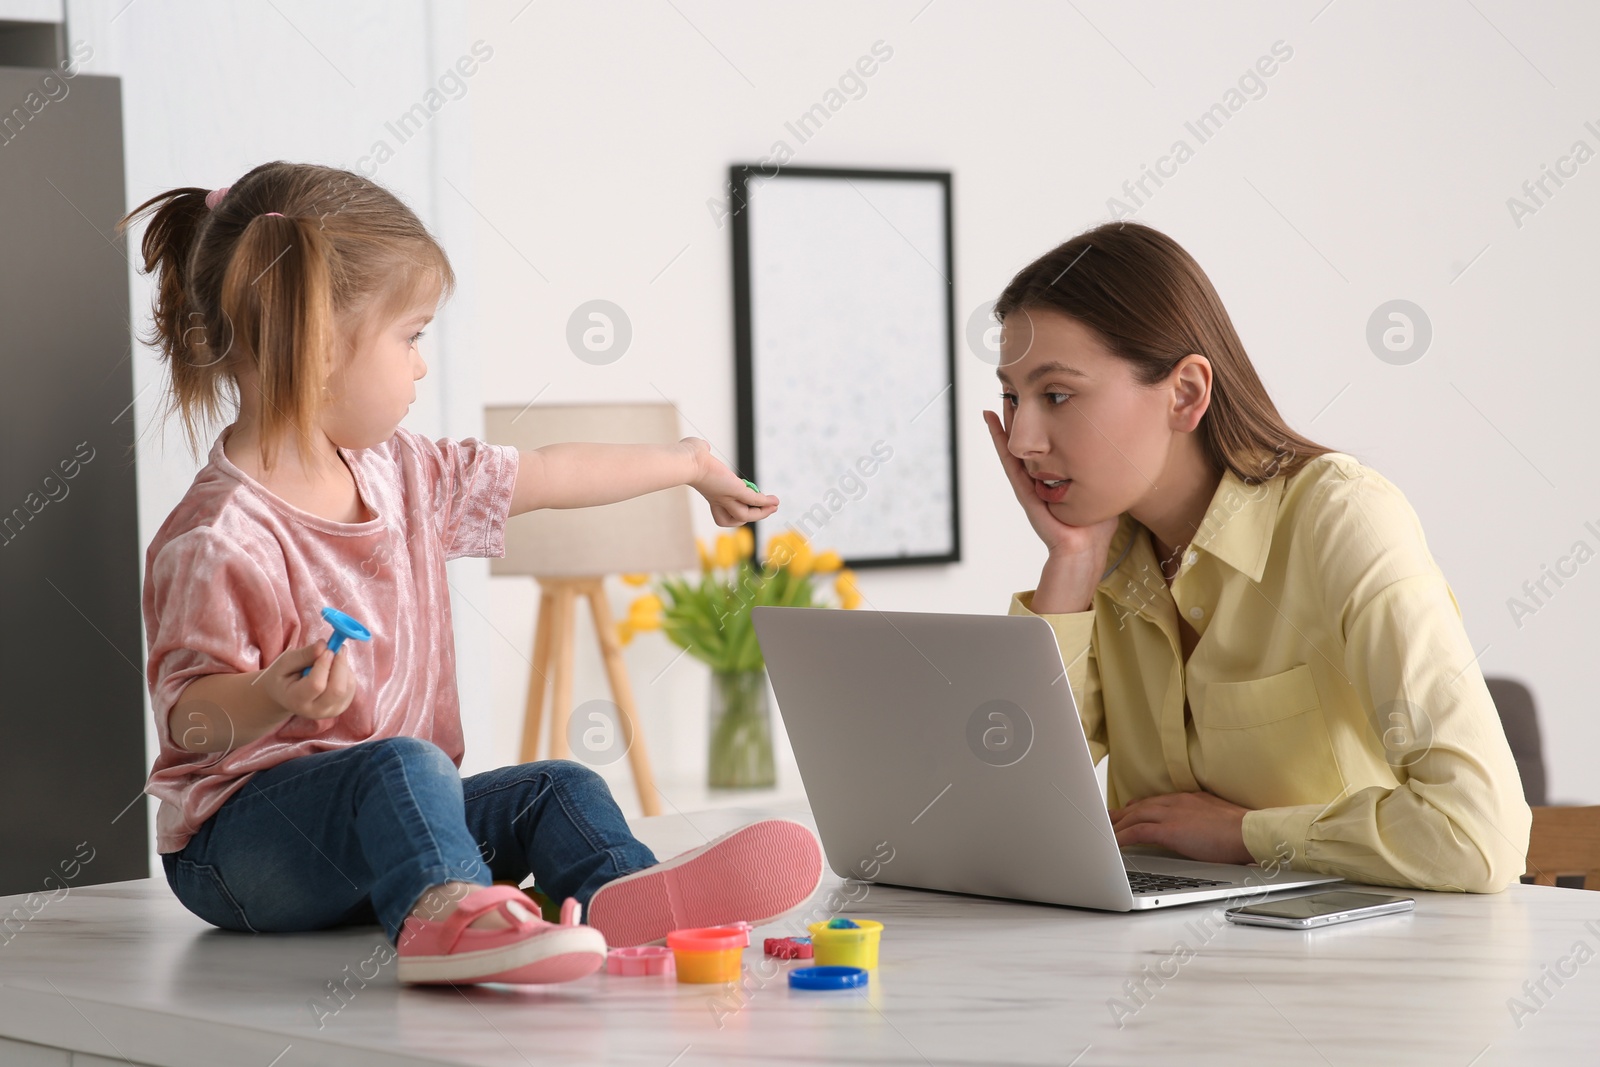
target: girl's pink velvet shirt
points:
(236, 576)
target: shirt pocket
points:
(1266, 743)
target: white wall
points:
(31, 10)
(1376, 166)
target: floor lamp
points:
(570, 553)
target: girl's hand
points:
(732, 502)
(1063, 541)
(1200, 826)
(325, 693)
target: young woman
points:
(1255, 631)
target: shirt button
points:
(1195, 613)
(1191, 557)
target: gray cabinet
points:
(72, 749)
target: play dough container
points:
(707, 955)
(833, 947)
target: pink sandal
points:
(532, 951)
(757, 873)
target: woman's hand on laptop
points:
(1200, 826)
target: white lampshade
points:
(644, 535)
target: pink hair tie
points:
(214, 197)
(277, 213)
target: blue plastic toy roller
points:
(343, 627)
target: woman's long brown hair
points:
(1151, 305)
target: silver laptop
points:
(945, 752)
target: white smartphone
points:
(1320, 909)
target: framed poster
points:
(845, 358)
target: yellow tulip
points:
(746, 541)
(845, 586)
(645, 607)
(636, 579)
(625, 631)
(727, 551)
(779, 549)
(705, 557)
(791, 550)
(804, 559)
(779, 553)
(827, 562)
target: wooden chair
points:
(1565, 841)
(1520, 719)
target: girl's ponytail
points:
(269, 282)
(176, 219)
(277, 302)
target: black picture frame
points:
(743, 178)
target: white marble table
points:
(122, 973)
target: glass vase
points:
(741, 732)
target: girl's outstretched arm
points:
(575, 475)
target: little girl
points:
(298, 800)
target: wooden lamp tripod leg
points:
(564, 642)
(538, 677)
(622, 692)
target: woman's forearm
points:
(220, 712)
(1067, 584)
(577, 475)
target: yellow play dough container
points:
(846, 948)
(707, 955)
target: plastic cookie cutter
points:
(788, 948)
(827, 978)
(640, 960)
(343, 626)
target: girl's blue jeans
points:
(358, 834)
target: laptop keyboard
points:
(1141, 882)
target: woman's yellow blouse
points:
(1333, 691)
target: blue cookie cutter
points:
(343, 626)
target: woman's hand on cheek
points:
(1200, 826)
(733, 503)
(1061, 539)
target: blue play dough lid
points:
(827, 978)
